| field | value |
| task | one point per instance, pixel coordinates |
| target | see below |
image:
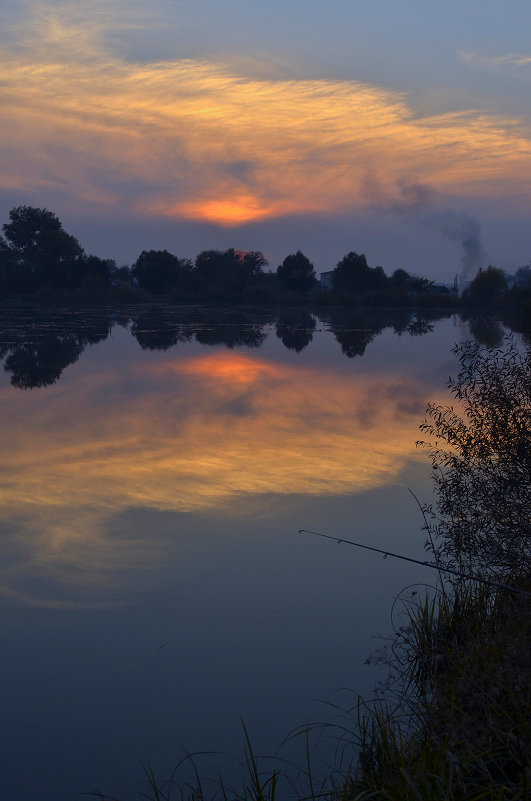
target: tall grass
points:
(462, 728)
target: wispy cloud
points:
(516, 62)
(163, 138)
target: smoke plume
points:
(418, 202)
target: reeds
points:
(463, 728)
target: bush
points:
(481, 460)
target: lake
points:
(157, 465)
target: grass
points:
(462, 727)
(456, 726)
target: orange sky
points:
(212, 140)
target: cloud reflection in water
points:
(181, 435)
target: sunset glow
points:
(201, 140)
(264, 272)
(179, 446)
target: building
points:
(326, 280)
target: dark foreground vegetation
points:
(452, 722)
(459, 726)
(38, 258)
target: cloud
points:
(175, 446)
(203, 141)
(519, 63)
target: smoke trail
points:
(418, 202)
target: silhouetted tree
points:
(353, 275)
(400, 279)
(159, 271)
(249, 263)
(297, 272)
(11, 279)
(42, 250)
(487, 288)
(122, 273)
(229, 271)
(214, 265)
(419, 284)
(481, 458)
(295, 330)
(94, 271)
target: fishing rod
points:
(488, 582)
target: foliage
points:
(400, 278)
(38, 256)
(461, 728)
(94, 271)
(37, 253)
(228, 272)
(45, 254)
(481, 459)
(487, 288)
(297, 272)
(353, 274)
(159, 271)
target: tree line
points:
(37, 254)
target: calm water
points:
(156, 468)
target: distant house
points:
(442, 289)
(445, 289)
(327, 280)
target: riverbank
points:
(461, 727)
(453, 721)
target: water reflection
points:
(187, 429)
(295, 329)
(486, 330)
(153, 331)
(154, 492)
(38, 345)
(185, 433)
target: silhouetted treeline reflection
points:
(37, 345)
(295, 329)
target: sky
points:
(400, 129)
